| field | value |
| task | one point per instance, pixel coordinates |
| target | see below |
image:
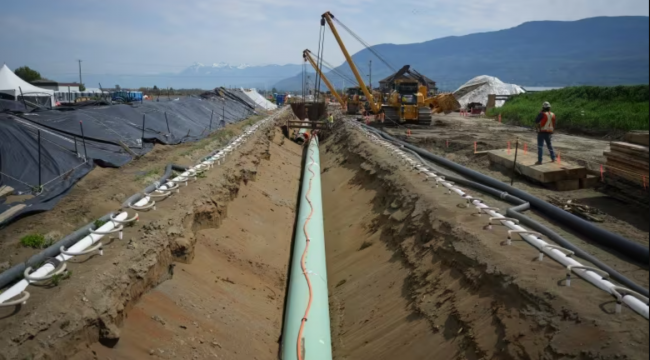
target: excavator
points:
(374, 106)
(306, 55)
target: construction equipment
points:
(369, 98)
(353, 100)
(306, 55)
(409, 100)
(443, 103)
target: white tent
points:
(259, 99)
(478, 89)
(12, 85)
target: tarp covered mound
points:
(242, 95)
(60, 168)
(112, 135)
(478, 89)
(259, 99)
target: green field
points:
(587, 109)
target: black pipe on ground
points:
(611, 241)
(521, 205)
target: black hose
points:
(614, 242)
(521, 205)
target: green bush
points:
(584, 108)
(34, 241)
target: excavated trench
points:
(411, 275)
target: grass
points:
(99, 223)
(149, 174)
(588, 109)
(34, 241)
(56, 279)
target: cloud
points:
(168, 35)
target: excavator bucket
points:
(445, 103)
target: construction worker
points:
(545, 125)
(330, 120)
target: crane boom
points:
(328, 18)
(306, 55)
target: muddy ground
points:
(411, 274)
(453, 136)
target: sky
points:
(167, 36)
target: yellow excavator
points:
(367, 95)
(306, 55)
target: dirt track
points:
(411, 275)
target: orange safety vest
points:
(548, 123)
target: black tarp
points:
(19, 166)
(111, 134)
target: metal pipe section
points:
(306, 333)
(596, 277)
(603, 237)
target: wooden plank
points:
(565, 185)
(638, 137)
(548, 172)
(590, 182)
(627, 172)
(627, 152)
(627, 160)
(5, 191)
(611, 163)
(11, 212)
(630, 146)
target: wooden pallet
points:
(5, 191)
(560, 176)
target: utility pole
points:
(80, 81)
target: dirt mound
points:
(412, 276)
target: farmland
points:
(588, 109)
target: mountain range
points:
(594, 51)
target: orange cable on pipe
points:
(304, 256)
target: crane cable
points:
(304, 255)
(321, 33)
(366, 45)
(337, 72)
(320, 57)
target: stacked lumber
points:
(628, 161)
(627, 168)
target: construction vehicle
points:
(367, 95)
(306, 55)
(353, 100)
(410, 100)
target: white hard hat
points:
(546, 105)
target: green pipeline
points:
(315, 342)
